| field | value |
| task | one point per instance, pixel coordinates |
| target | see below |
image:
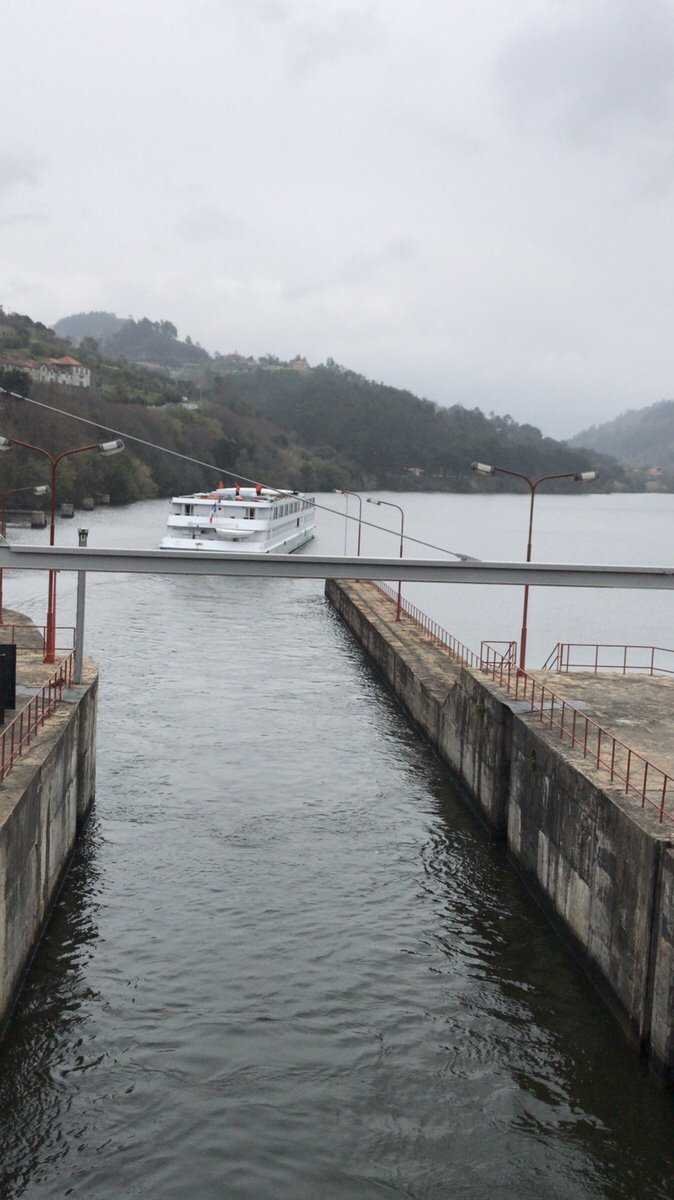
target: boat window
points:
(251, 514)
(189, 509)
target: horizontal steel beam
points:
(311, 566)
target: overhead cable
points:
(130, 437)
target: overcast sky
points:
(469, 198)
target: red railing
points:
(489, 653)
(14, 637)
(23, 728)
(461, 653)
(636, 775)
(610, 656)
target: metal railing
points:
(636, 775)
(15, 638)
(489, 654)
(24, 727)
(610, 656)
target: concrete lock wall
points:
(602, 868)
(43, 800)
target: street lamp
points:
(389, 504)
(40, 489)
(579, 476)
(106, 449)
(348, 492)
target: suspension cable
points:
(130, 437)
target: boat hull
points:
(214, 546)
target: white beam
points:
(311, 566)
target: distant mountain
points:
(98, 325)
(642, 437)
(153, 342)
(396, 440)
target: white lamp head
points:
(585, 476)
(482, 468)
(109, 448)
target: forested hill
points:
(154, 343)
(98, 325)
(643, 437)
(286, 424)
(394, 439)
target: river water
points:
(287, 963)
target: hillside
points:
(396, 440)
(153, 343)
(283, 423)
(642, 437)
(97, 325)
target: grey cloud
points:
(365, 268)
(17, 169)
(208, 223)
(316, 35)
(605, 65)
(346, 32)
(22, 218)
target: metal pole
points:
(525, 607)
(50, 640)
(79, 620)
(400, 582)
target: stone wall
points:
(602, 866)
(43, 801)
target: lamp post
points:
(105, 448)
(533, 485)
(40, 489)
(347, 492)
(389, 504)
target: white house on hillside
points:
(64, 370)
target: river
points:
(287, 963)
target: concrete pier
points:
(601, 865)
(26, 519)
(43, 801)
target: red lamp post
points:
(532, 484)
(106, 448)
(40, 489)
(389, 504)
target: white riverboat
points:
(240, 520)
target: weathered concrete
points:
(602, 866)
(662, 1008)
(43, 801)
(637, 709)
